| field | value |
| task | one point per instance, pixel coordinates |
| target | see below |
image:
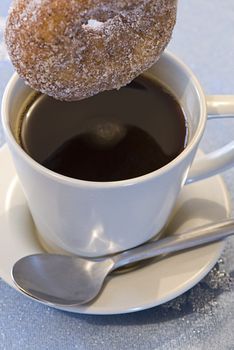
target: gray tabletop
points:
(203, 317)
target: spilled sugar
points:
(201, 318)
(203, 297)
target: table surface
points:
(203, 317)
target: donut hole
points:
(96, 18)
(108, 11)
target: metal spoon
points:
(61, 280)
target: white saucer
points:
(148, 286)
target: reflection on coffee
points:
(115, 135)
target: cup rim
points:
(119, 183)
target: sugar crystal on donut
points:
(94, 24)
(74, 49)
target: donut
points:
(74, 49)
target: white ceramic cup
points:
(99, 218)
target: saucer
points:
(150, 285)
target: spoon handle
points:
(193, 238)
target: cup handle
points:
(218, 106)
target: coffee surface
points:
(115, 135)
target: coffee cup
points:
(93, 219)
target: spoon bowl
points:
(61, 279)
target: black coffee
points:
(115, 135)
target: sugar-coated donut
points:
(74, 49)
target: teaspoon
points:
(61, 280)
